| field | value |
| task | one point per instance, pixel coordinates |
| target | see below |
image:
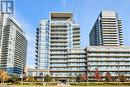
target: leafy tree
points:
(83, 77)
(114, 78)
(97, 75)
(3, 76)
(47, 78)
(122, 78)
(108, 76)
(14, 78)
(30, 78)
(78, 78)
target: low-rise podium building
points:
(115, 60)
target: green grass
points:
(33, 84)
(100, 84)
(78, 84)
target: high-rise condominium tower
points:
(58, 46)
(107, 30)
(13, 45)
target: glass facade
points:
(57, 41)
(42, 47)
(13, 46)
